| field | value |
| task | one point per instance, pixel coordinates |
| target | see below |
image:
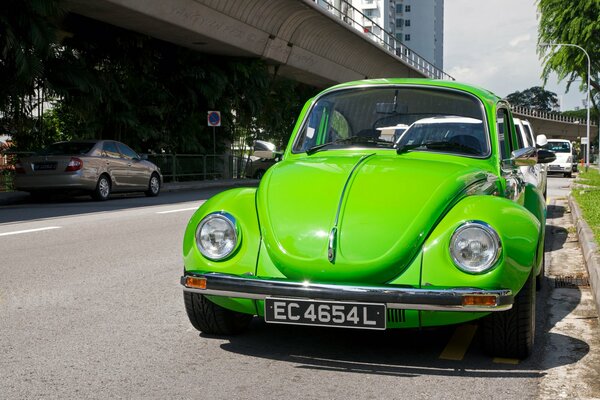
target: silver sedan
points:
(98, 167)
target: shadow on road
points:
(416, 352)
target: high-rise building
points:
(420, 26)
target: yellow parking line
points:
(459, 343)
(500, 360)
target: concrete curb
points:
(589, 247)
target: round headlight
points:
(217, 236)
(475, 247)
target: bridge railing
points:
(550, 116)
(346, 12)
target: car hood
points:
(386, 211)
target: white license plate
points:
(325, 313)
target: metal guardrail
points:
(550, 116)
(191, 167)
(347, 12)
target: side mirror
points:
(545, 156)
(268, 154)
(524, 157)
(541, 140)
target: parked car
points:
(535, 174)
(564, 157)
(98, 167)
(263, 157)
(352, 231)
(257, 166)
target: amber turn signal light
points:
(489, 301)
(196, 283)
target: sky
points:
(492, 44)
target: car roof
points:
(448, 119)
(482, 93)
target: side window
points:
(339, 126)
(504, 133)
(127, 152)
(110, 150)
(530, 138)
(520, 143)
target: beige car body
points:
(126, 170)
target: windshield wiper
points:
(407, 147)
(349, 140)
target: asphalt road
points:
(91, 307)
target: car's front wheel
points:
(153, 186)
(211, 318)
(511, 333)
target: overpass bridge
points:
(300, 39)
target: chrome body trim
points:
(249, 287)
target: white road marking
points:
(179, 210)
(30, 230)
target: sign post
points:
(214, 120)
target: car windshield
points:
(401, 118)
(67, 149)
(558, 147)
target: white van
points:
(535, 174)
(564, 157)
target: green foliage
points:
(571, 22)
(589, 199)
(110, 83)
(536, 98)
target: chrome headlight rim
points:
(231, 221)
(487, 228)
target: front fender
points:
(240, 203)
(519, 231)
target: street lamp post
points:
(589, 69)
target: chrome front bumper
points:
(249, 287)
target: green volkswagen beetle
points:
(360, 226)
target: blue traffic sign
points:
(214, 118)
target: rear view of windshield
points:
(558, 147)
(422, 119)
(67, 149)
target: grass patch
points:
(589, 199)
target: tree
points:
(572, 22)
(536, 98)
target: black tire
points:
(568, 174)
(213, 319)
(539, 280)
(259, 174)
(103, 187)
(511, 333)
(153, 186)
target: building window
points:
(407, 37)
(407, 22)
(399, 22)
(407, 8)
(399, 8)
(368, 12)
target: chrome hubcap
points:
(104, 187)
(154, 184)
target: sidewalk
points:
(7, 198)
